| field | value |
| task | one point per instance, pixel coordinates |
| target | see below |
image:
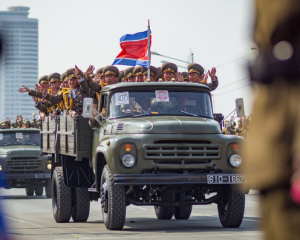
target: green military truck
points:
(22, 164)
(152, 143)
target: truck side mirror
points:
(239, 104)
(87, 108)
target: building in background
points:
(18, 61)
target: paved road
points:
(31, 218)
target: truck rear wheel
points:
(29, 191)
(81, 207)
(61, 197)
(48, 189)
(182, 212)
(165, 212)
(231, 209)
(113, 201)
(39, 191)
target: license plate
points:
(225, 179)
(42, 175)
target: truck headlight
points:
(235, 160)
(49, 166)
(0, 168)
(128, 160)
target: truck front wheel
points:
(48, 189)
(231, 209)
(165, 212)
(113, 201)
(183, 212)
(81, 207)
(61, 197)
(29, 191)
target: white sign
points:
(19, 135)
(1, 136)
(162, 95)
(122, 98)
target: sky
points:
(217, 32)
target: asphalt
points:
(30, 218)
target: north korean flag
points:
(134, 49)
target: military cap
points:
(54, 77)
(169, 67)
(43, 79)
(137, 71)
(63, 77)
(70, 73)
(26, 121)
(14, 125)
(185, 76)
(153, 71)
(5, 124)
(111, 70)
(129, 72)
(196, 68)
(121, 76)
(100, 70)
(158, 76)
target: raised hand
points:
(37, 87)
(204, 80)
(8, 119)
(33, 115)
(24, 89)
(76, 71)
(89, 71)
(73, 114)
(180, 77)
(42, 116)
(212, 73)
(21, 118)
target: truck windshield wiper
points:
(192, 114)
(143, 114)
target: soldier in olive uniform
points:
(169, 71)
(153, 72)
(129, 74)
(195, 76)
(137, 72)
(5, 125)
(159, 75)
(26, 123)
(121, 77)
(273, 153)
(185, 76)
(64, 81)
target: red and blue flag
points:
(134, 49)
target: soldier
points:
(64, 81)
(26, 123)
(169, 71)
(121, 77)
(159, 75)
(196, 76)
(129, 74)
(5, 125)
(185, 76)
(272, 156)
(53, 80)
(153, 72)
(240, 130)
(137, 72)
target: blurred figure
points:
(272, 161)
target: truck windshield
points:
(20, 138)
(160, 102)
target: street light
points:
(158, 54)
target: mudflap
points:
(77, 173)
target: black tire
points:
(231, 209)
(29, 191)
(165, 212)
(39, 191)
(113, 201)
(183, 212)
(81, 207)
(48, 189)
(61, 197)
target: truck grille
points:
(177, 150)
(24, 164)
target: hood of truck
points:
(163, 124)
(20, 150)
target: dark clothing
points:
(213, 85)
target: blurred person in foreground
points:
(272, 161)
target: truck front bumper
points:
(168, 179)
(26, 176)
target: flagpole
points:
(149, 52)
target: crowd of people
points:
(64, 93)
(21, 123)
(240, 129)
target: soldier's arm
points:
(54, 99)
(93, 85)
(35, 93)
(41, 107)
(214, 84)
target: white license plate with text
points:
(225, 179)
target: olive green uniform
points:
(274, 138)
